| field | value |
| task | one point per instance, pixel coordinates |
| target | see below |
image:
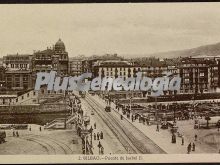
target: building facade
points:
(55, 58)
(2, 79)
(76, 65)
(88, 65)
(114, 69)
(199, 75)
(18, 72)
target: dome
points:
(59, 45)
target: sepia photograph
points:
(91, 83)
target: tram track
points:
(127, 136)
(52, 146)
(122, 139)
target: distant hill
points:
(206, 50)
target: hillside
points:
(206, 50)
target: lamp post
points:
(65, 109)
(130, 104)
(156, 109)
(91, 130)
(174, 113)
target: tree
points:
(207, 118)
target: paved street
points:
(39, 143)
(163, 137)
(120, 136)
(129, 136)
(208, 139)
(110, 142)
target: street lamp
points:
(156, 109)
(91, 130)
(174, 111)
(65, 110)
(130, 104)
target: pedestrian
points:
(94, 125)
(193, 147)
(102, 150)
(182, 140)
(94, 136)
(13, 133)
(121, 117)
(188, 149)
(40, 128)
(30, 128)
(173, 138)
(101, 135)
(99, 146)
(98, 136)
(17, 134)
(157, 128)
(148, 121)
(195, 137)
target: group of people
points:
(98, 135)
(15, 134)
(191, 147)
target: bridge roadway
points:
(54, 142)
(128, 135)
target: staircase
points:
(71, 118)
(58, 123)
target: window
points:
(25, 78)
(202, 74)
(9, 78)
(186, 80)
(17, 84)
(186, 74)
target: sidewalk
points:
(98, 129)
(161, 138)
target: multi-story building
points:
(151, 67)
(2, 78)
(199, 75)
(18, 72)
(1, 62)
(55, 58)
(114, 69)
(75, 65)
(89, 63)
(117, 69)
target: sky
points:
(125, 29)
